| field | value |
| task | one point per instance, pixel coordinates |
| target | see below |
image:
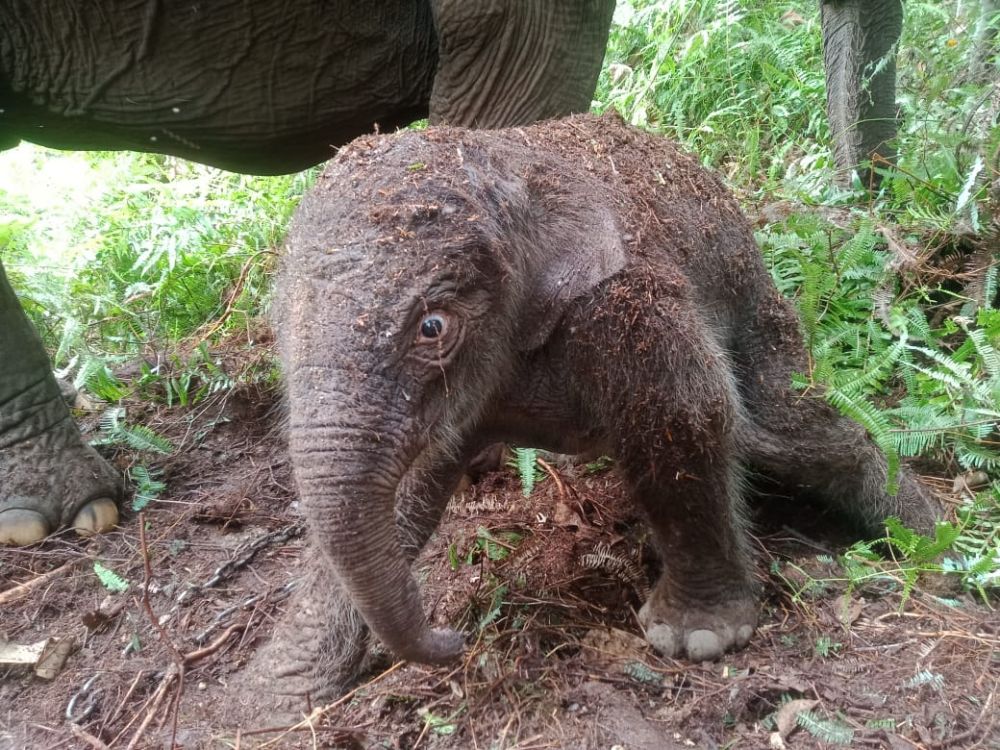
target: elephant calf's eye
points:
(432, 327)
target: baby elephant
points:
(577, 286)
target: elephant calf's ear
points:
(575, 253)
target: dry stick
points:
(201, 653)
(161, 692)
(555, 475)
(974, 732)
(164, 637)
(124, 700)
(21, 589)
(82, 734)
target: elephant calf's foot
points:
(52, 481)
(698, 633)
(318, 650)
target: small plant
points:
(925, 677)
(496, 546)
(148, 486)
(109, 579)
(824, 647)
(834, 731)
(137, 437)
(526, 462)
(438, 724)
(496, 603)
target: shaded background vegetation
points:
(149, 260)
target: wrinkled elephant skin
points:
(577, 286)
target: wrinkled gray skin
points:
(577, 286)
(859, 56)
(266, 86)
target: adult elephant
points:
(859, 55)
(262, 87)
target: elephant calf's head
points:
(418, 270)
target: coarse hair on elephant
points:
(268, 87)
(577, 285)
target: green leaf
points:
(148, 486)
(109, 579)
(827, 730)
(526, 459)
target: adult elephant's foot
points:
(53, 480)
(697, 632)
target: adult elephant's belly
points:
(262, 87)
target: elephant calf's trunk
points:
(359, 536)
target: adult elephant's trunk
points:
(347, 476)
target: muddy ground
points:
(547, 587)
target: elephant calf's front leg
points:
(704, 603)
(320, 648)
(670, 403)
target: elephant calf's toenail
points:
(704, 645)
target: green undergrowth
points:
(122, 256)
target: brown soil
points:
(547, 587)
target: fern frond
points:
(825, 730)
(874, 421)
(526, 460)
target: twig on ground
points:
(164, 637)
(244, 554)
(220, 618)
(194, 656)
(555, 476)
(318, 713)
(84, 736)
(21, 589)
(974, 732)
(124, 700)
(158, 696)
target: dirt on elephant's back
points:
(546, 586)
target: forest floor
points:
(547, 587)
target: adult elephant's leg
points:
(49, 477)
(859, 38)
(507, 63)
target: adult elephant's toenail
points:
(96, 516)
(20, 526)
(743, 635)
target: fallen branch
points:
(84, 736)
(22, 589)
(194, 656)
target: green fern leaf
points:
(526, 459)
(147, 486)
(109, 579)
(826, 730)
